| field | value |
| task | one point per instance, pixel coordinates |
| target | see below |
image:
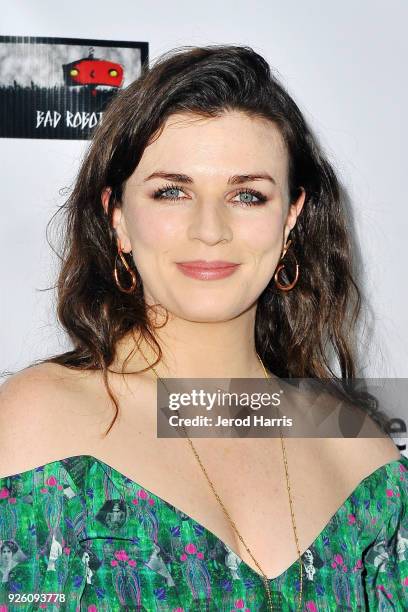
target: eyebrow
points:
(236, 179)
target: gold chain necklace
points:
(264, 577)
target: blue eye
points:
(159, 195)
(251, 193)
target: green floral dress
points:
(76, 534)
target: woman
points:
(205, 157)
(7, 550)
(10, 556)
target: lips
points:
(207, 265)
(207, 270)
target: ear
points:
(106, 193)
(294, 211)
(118, 221)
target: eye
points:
(159, 193)
(261, 198)
(251, 192)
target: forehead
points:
(233, 143)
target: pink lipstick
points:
(207, 270)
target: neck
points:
(221, 349)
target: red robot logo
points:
(90, 72)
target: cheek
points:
(262, 236)
(148, 230)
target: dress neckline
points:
(119, 479)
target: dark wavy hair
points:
(297, 332)
(10, 544)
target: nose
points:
(209, 222)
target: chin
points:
(206, 313)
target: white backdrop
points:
(344, 64)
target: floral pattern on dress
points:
(80, 528)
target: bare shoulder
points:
(38, 422)
(32, 385)
(353, 459)
(375, 452)
(376, 444)
(368, 447)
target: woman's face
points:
(6, 553)
(209, 220)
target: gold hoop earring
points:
(132, 274)
(289, 286)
